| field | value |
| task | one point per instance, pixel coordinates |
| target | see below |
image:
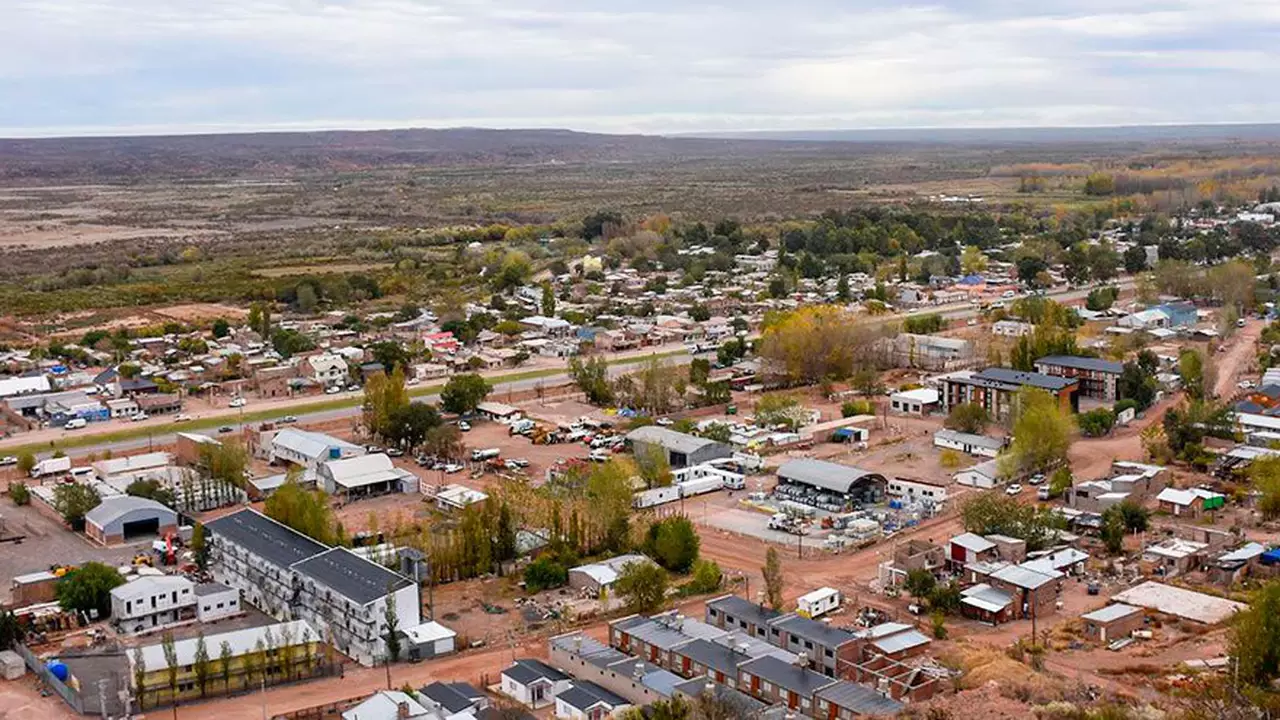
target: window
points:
(828, 650)
(808, 645)
(768, 686)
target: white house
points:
(584, 700)
(430, 639)
(1011, 328)
(365, 475)
(328, 369)
(121, 471)
(215, 601)
(308, 449)
(153, 602)
(917, 490)
(920, 401)
(982, 475)
(968, 443)
(533, 683)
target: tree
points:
(816, 342)
(1099, 184)
(707, 576)
(221, 328)
(779, 409)
(88, 588)
(699, 370)
(544, 574)
(407, 425)
(592, 378)
(171, 664)
(1191, 368)
(1254, 641)
(968, 418)
(1060, 482)
(972, 260)
(140, 677)
(224, 664)
(1029, 269)
(1265, 475)
(842, 289)
(73, 501)
(444, 441)
(464, 392)
(1135, 259)
(226, 461)
(11, 631)
(548, 300)
(200, 546)
(654, 468)
(1112, 532)
(1102, 298)
(152, 490)
(392, 621)
(642, 585)
(999, 514)
(1135, 518)
(1042, 433)
(390, 355)
(306, 511)
(19, 493)
(772, 572)
(920, 582)
(202, 667)
(26, 462)
(1137, 383)
(384, 395)
(731, 351)
(673, 543)
(1097, 422)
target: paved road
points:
(957, 311)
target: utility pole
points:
(102, 697)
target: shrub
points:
(19, 493)
(857, 407)
(543, 574)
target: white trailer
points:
(705, 484)
(818, 603)
(488, 454)
(51, 466)
(655, 496)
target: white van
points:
(82, 474)
(489, 454)
(75, 424)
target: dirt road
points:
(1237, 359)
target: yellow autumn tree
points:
(818, 342)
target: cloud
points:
(626, 65)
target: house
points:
(680, 449)
(985, 475)
(594, 577)
(584, 700)
(299, 652)
(215, 601)
(1011, 328)
(1112, 622)
(1191, 504)
(1130, 481)
(121, 518)
(550, 326)
(743, 706)
(287, 574)
(920, 490)
(427, 640)
(968, 548)
(308, 449)
(119, 472)
(969, 443)
(390, 705)
(635, 680)
(730, 612)
(1232, 566)
(453, 699)
(986, 604)
(1098, 378)
(911, 555)
(327, 369)
(533, 683)
(1034, 592)
(655, 638)
(846, 700)
(454, 497)
(365, 476)
(996, 389)
(1175, 556)
(827, 648)
(920, 401)
(153, 602)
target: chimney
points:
(402, 709)
(638, 673)
(802, 659)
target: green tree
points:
(306, 511)
(226, 461)
(1138, 384)
(392, 621)
(592, 378)
(26, 462)
(202, 667)
(968, 418)
(152, 490)
(642, 585)
(464, 392)
(1096, 422)
(200, 546)
(221, 328)
(1264, 473)
(384, 396)
(171, 664)
(390, 355)
(1060, 482)
(674, 543)
(548, 300)
(1191, 368)
(1112, 531)
(408, 425)
(920, 582)
(1135, 259)
(699, 370)
(1042, 434)
(544, 574)
(999, 514)
(224, 664)
(1254, 640)
(779, 409)
(842, 289)
(88, 588)
(654, 468)
(73, 501)
(707, 576)
(140, 678)
(19, 493)
(972, 260)
(1099, 184)
(444, 441)
(772, 572)
(11, 631)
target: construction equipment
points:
(141, 559)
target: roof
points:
(363, 470)
(815, 630)
(527, 670)
(453, 696)
(1025, 577)
(23, 385)
(606, 571)
(1110, 613)
(990, 469)
(429, 631)
(924, 396)
(882, 630)
(817, 595)
(1182, 603)
(497, 409)
(116, 507)
(1185, 497)
(1082, 363)
(985, 597)
(670, 439)
(972, 542)
(900, 641)
(351, 576)
(1057, 560)
(1244, 553)
(713, 655)
(241, 642)
(667, 630)
(744, 609)
(385, 705)
(826, 475)
(309, 444)
(131, 463)
(211, 588)
(274, 542)
(1009, 378)
(148, 585)
(584, 695)
(786, 675)
(588, 649)
(861, 699)
(743, 704)
(969, 439)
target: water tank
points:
(59, 669)
(335, 453)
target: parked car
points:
(138, 417)
(395, 452)
(1013, 489)
(333, 390)
(464, 426)
(226, 429)
(665, 421)
(75, 424)
(237, 402)
(599, 456)
(8, 460)
(289, 419)
(182, 417)
(452, 468)
(1036, 479)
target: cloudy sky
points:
(107, 66)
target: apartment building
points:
(1098, 378)
(290, 576)
(996, 389)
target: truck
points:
(786, 523)
(486, 454)
(655, 496)
(698, 486)
(818, 603)
(51, 466)
(520, 427)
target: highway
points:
(165, 429)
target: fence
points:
(71, 697)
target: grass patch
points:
(79, 440)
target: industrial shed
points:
(850, 482)
(121, 518)
(680, 449)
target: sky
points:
(657, 66)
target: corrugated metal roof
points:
(826, 475)
(276, 543)
(860, 699)
(351, 576)
(670, 439)
(900, 641)
(985, 597)
(116, 507)
(1082, 363)
(1110, 613)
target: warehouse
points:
(850, 483)
(122, 518)
(681, 450)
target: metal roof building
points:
(351, 576)
(859, 699)
(681, 450)
(123, 517)
(829, 476)
(274, 542)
